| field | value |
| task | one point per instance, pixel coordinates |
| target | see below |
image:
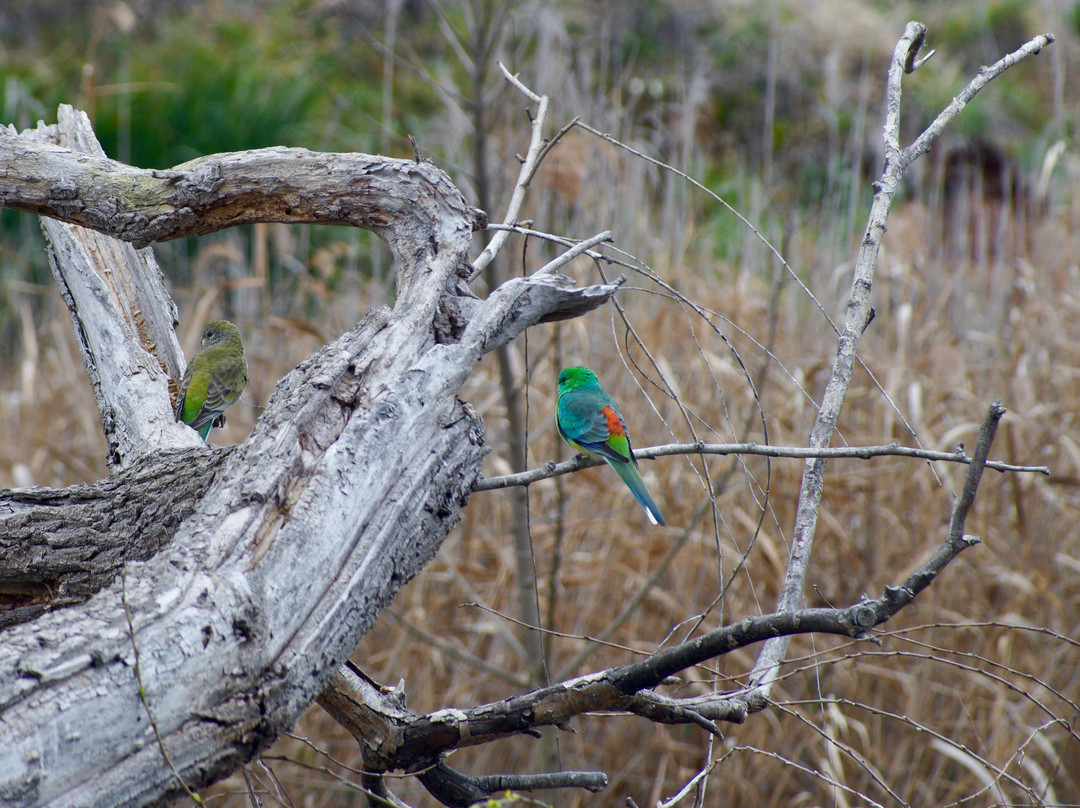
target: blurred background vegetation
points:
(775, 106)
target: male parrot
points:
(215, 378)
(589, 420)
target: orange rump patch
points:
(614, 422)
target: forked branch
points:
(859, 313)
(393, 738)
(419, 741)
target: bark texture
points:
(224, 588)
(276, 555)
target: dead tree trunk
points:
(280, 552)
(220, 589)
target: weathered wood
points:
(60, 546)
(124, 319)
(345, 489)
(211, 193)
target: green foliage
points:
(202, 87)
(183, 80)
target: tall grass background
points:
(971, 695)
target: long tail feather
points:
(632, 477)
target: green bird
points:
(589, 420)
(215, 378)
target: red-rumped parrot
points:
(589, 420)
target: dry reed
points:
(970, 698)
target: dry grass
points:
(972, 694)
(976, 671)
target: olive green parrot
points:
(214, 380)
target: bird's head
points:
(218, 333)
(575, 377)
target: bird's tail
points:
(632, 477)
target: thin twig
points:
(975, 470)
(831, 739)
(720, 200)
(253, 798)
(578, 249)
(538, 149)
(808, 771)
(550, 632)
(380, 795)
(457, 653)
(940, 737)
(686, 789)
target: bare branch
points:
(218, 191)
(857, 317)
(391, 737)
(580, 248)
(553, 469)
(974, 475)
(922, 143)
(538, 147)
